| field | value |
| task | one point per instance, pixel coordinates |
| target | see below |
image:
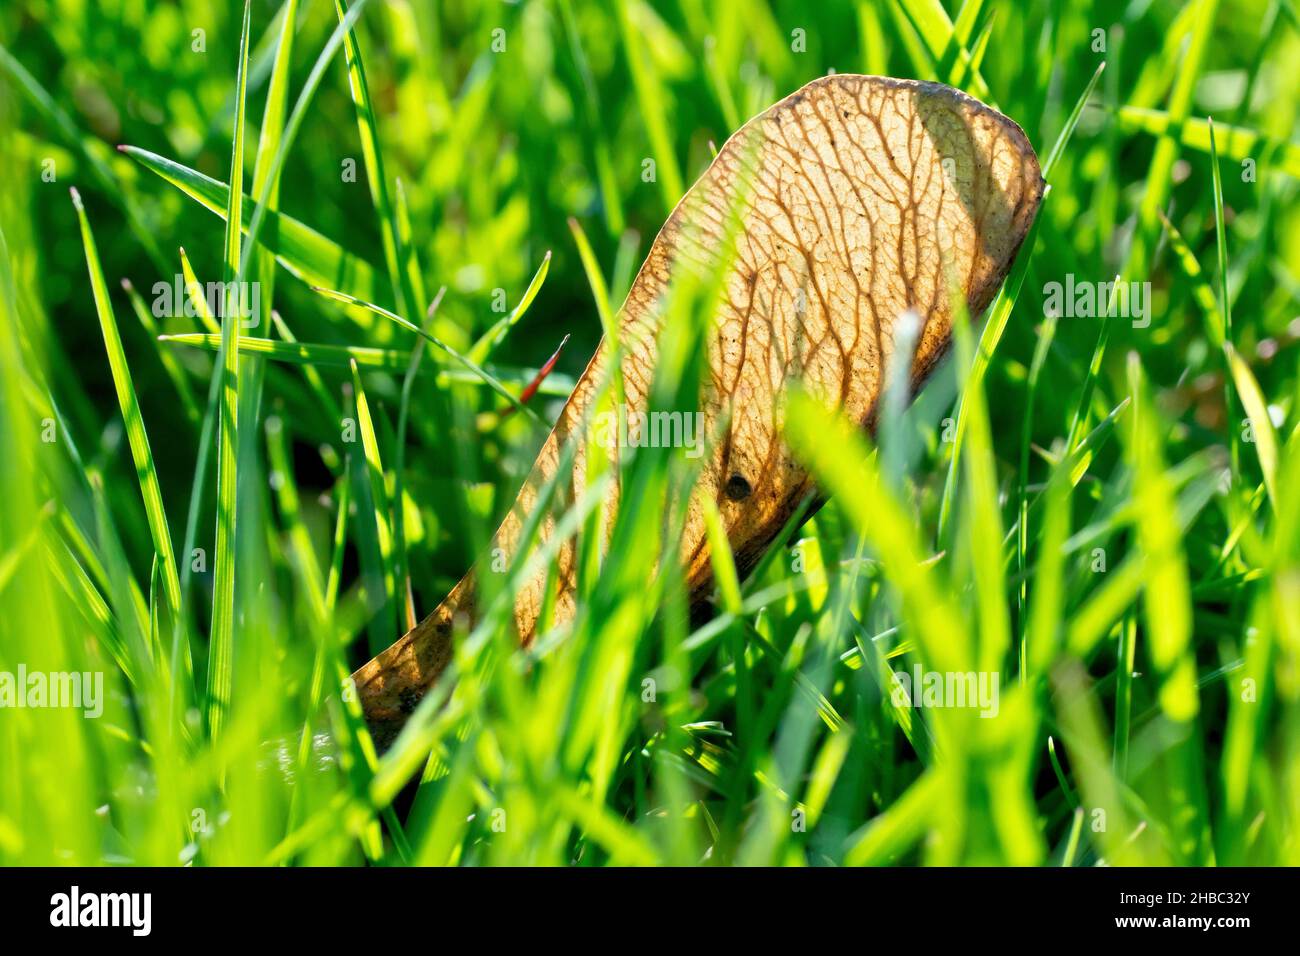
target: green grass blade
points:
(487, 377)
(381, 506)
(221, 638)
(1237, 142)
(302, 250)
(184, 388)
(489, 340)
(653, 99)
(141, 452)
(394, 255)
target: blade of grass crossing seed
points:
(221, 638)
(141, 453)
(405, 595)
(840, 460)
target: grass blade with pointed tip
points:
(299, 248)
(394, 255)
(184, 389)
(393, 360)
(1256, 406)
(491, 381)
(489, 340)
(221, 638)
(141, 452)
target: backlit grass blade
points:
(489, 379)
(1264, 436)
(184, 388)
(101, 171)
(394, 255)
(378, 490)
(141, 452)
(1058, 147)
(931, 21)
(1201, 290)
(489, 340)
(405, 597)
(837, 456)
(1160, 173)
(1221, 239)
(1236, 142)
(197, 297)
(302, 250)
(393, 360)
(654, 100)
(222, 635)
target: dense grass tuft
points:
(223, 514)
